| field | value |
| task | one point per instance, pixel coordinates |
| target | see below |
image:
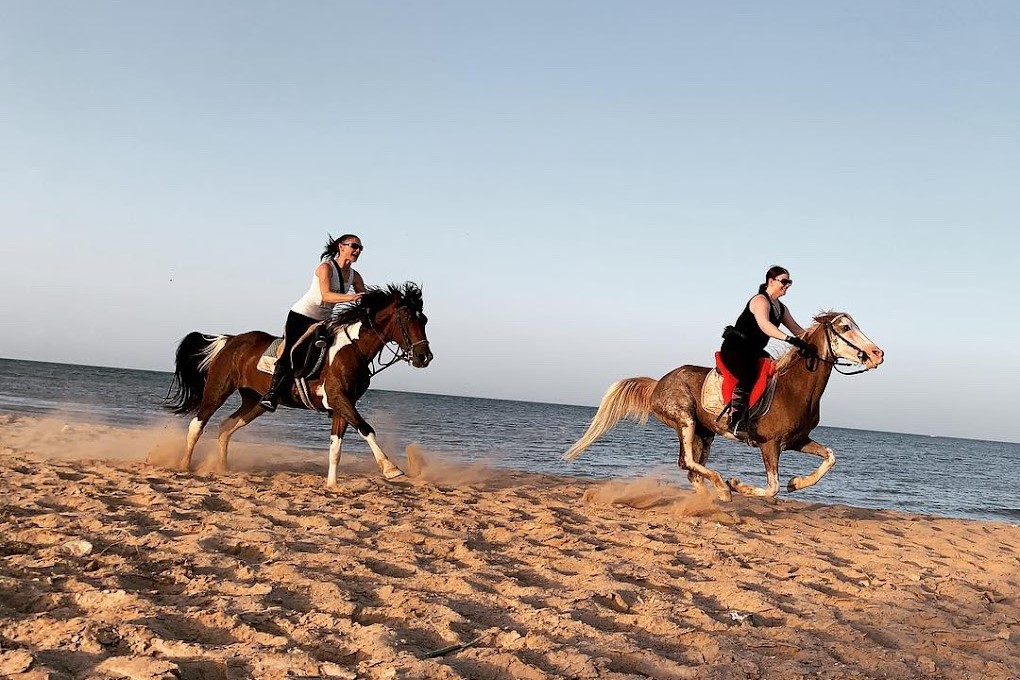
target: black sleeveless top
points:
(747, 325)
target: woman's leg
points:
(743, 364)
(295, 327)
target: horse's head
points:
(396, 313)
(839, 337)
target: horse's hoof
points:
(794, 484)
(394, 474)
(725, 496)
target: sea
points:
(942, 476)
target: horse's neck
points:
(797, 381)
(369, 342)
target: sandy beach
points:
(114, 565)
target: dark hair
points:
(333, 245)
(773, 272)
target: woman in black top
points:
(744, 342)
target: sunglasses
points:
(354, 246)
(785, 282)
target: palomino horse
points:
(676, 400)
(211, 368)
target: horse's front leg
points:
(345, 410)
(770, 456)
(815, 449)
(336, 441)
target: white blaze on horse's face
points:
(850, 343)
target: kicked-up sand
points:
(114, 565)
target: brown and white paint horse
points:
(212, 367)
(675, 400)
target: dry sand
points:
(113, 565)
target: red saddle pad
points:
(766, 368)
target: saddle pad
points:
(766, 369)
(267, 362)
(714, 395)
(711, 393)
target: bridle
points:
(830, 330)
(399, 354)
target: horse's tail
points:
(194, 355)
(629, 398)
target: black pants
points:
(295, 327)
(742, 361)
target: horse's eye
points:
(845, 328)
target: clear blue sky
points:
(586, 190)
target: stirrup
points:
(322, 337)
(268, 404)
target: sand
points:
(113, 565)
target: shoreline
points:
(46, 432)
(265, 573)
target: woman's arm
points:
(359, 283)
(760, 309)
(322, 273)
(788, 321)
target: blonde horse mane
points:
(793, 355)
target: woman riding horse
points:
(332, 284)
(744, 342)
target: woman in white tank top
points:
(334, 282)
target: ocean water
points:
(928, 475)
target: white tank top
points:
(311, 305)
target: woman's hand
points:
(801, 344)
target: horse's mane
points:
(376, 299)
(819, 320)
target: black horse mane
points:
(375, 300)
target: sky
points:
(586, 191)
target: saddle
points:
(313, 350)
(717, 390)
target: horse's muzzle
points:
(421, 357)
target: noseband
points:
(830, 330)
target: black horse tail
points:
(194, 354)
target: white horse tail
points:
(215, 345)
(628, 398)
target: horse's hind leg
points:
(214, 397)
(691, 452)
(676, 408)
(815, 449)
(770, 456)
(244, 414)
(702, 446)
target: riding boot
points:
(275, 386)
(739, 424)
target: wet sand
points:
(114, 565)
